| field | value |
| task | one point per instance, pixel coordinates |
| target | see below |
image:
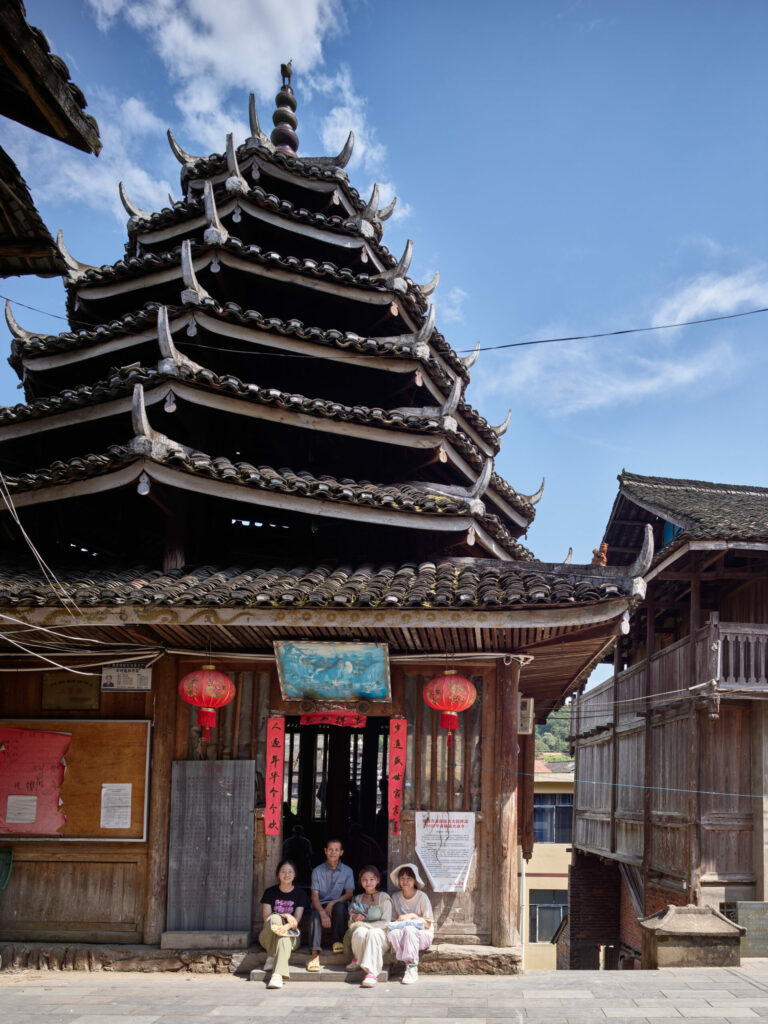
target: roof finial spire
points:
(284, 118)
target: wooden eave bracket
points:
(171, 360)
(471, 495)
(193, 292)
(147, 441)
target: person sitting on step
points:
(366, 938)
(283, 906)
(333, 886)
(412, 930)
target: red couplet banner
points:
(274, 775)
(397, 743)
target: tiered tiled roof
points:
(236, 394)
(456, 583)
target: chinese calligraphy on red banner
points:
(348, 719)
(397, 741)
(31, 771)
(274, 775)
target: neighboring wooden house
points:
(671, 754)
(36, 91)
(194, 459)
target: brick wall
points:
(657, 898)
(629, 929)
(593, 909)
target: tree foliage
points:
(552, 737)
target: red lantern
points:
(207, 689)
(450, 694)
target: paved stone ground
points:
(578, 997)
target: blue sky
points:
(569, 166)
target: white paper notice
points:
(21, 810)
(445, 845)
(127, 676)
(116, 805)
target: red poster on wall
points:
(31, 771)
(274, 775)
(397, 743)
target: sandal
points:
(314, 964)
(338, 947)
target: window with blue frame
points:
(553, 817)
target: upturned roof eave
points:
(46, 100)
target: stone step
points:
(326, 973)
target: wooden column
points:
(504, 930)
(164, 683)
(650, 643)
(615, 741)
(693, 753)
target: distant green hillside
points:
(552, 737)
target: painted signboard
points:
(330, 671)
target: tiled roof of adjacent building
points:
(702, 509)
(452, 583)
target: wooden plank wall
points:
(700, 822)
(463, 779)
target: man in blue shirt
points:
(333, 886)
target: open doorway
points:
(335, 786)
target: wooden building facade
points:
(194, 459)
(671, 752)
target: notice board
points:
(104, 788)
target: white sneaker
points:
(369, 980)
(269, 963)
(276, 981)
(411, 974)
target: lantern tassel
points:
(206, 717)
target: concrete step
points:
(326, 973)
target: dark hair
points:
(282, 864)
(369, 869)
(333, 839)
(405, 870)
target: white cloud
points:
(347, 114)
(209, 48)
(584, 376)
(57, 173)
(715, 295)
(450, 307)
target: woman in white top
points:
(413, 928)
(369, 915)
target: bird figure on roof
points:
(286, 70)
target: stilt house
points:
(671, 753)
(252, 435)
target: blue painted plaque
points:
(330, 671)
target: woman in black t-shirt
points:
(283, 907)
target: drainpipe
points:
(523, 908)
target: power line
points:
(483, 348)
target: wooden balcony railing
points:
(732, 654)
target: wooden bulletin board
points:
(101, 752)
